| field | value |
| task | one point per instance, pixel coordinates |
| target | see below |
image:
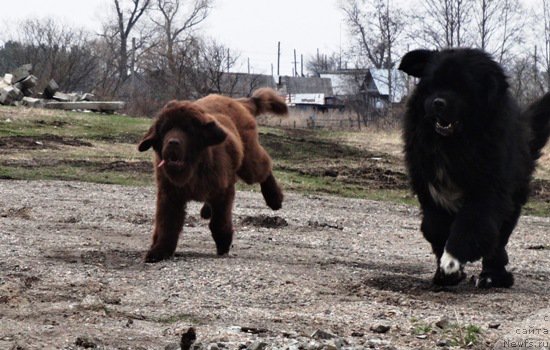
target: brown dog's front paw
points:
(156, 255)
(223, 246)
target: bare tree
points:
(499, 26)
(444, 23)
(107, 50)
(176, 21)
(216, 61)
(55, 50)
(526, 80)
(376, 27)
(128, 14)
(321, 63)
(546, 38)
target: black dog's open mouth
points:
(445, 128)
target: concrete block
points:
(8, 78)
(9, 95)
(32, 102)
(21, 73)
(50, 89)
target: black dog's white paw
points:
(449, 264)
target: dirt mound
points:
(264, 221)
(40, 142)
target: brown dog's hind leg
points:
(206, 211)
(169, 219)
(220, 223)
(256, 168)
(272, 193)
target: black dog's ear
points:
(149, 139)
(212, 134)
(414, 62)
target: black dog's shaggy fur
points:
(470, 155)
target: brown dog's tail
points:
(265, 100)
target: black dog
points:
(470, 154)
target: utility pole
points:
(302, 64)
(133, 78)
(278, 58)
(228, 60)
(295, 64)
(248, 63)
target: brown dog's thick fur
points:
(201, 149)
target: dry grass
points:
(543, 169)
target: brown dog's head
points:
(181, 131)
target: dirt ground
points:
(322, 273)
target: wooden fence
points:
(332, 120)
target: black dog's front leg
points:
(474, 233)
(436, 225)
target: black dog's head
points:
(458, 88)
(180, 132)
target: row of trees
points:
(147, 51)
(152, 50)
(518, 36)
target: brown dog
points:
(201, 148)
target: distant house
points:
(370, 85)
(307, 92)
(378, 86)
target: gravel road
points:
(322, 273)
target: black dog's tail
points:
(539, 116)
(265, 100)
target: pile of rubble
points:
(17, 89)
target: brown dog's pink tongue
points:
(161, 164)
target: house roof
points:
(348, 82)
(399, 83)
(345, 83)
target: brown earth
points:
(17, 143)
(72, 276)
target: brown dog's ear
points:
(212, 134)
(414, 62)
(171, 104)
(148, 139)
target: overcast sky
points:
(250, 27)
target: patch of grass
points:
(537, 208)
(86, 173)
(455, 333)
(421, 329)
(52, 144)
(90, 126)
(464, 336)
(294, 181)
